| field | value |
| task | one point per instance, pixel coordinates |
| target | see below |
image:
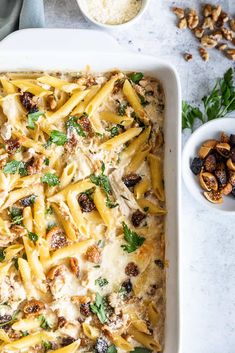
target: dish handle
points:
(53, 39)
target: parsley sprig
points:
(101, 282)
(58, 138)
(72, 123)
(50, 179)
(132, 238)
(219, 103)
(103, 181)
(99, 309)
(33, 118)
(14, 167)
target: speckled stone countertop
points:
(207, 239)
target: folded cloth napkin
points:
(18, 14)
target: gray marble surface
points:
(207, 239)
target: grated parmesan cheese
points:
(112, 12)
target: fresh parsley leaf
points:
(121, 108)
(50, 179)
(132, 238)
(98, 308)
(114, 131)
(14, 167)
(136, 77)
(47, 345)
(49, 210)
(112, 349)
(15, 262)
(33, 118)
(58, 138)
(103, 181)
(51, 225)
(189, 114)
(24, 333)
(141, 350)
(89, 192)
(33, 236)
(143, 100)
(47, 161)
(72, 123)
(101, 243)
(101, 282)
(43, 322)
(16, 215)
(2, 254)
(221, 101)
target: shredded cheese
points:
(112, 12)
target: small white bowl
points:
(210, 130)
(144, 6)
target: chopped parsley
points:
(141, 350)
(49, 210)
(101, 282)
(121, 108)
(132, 238)
(33, 236)
(14, 167)
(16, 215)
(103, 181)
(32, 119)
(15, 262)
(112, 349)
(146, 209)
(58, 138)
(114, 131)
(47, 161)
(47, 345)
(143, 100)
(98, 308)
(43, 322)
(2, 254)
(50, 225)
(24, 333)
(50, 179)
(136, 77)
(72, 123)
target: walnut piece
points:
(93, 254)
(232, 25)
(193, 19)
(178, 12)
(188, 57)
(208, 41)
(231, 54)
(216, 13)
(227, 34)
(204, 54)
(182, 23)
(207, 10)
(74, 266)
(199, 31)
(208, 23)
(222, 46)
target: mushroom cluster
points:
(215, 166)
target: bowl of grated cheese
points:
(113, 13)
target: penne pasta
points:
(134, 101)
(121, 139)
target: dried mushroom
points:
(216, 167)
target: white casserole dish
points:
(72, 50)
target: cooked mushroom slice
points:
(232, 177)
(33, 307)
(210, 163)
(204, 151)
(196, 165)
(208, 181)
(210, 143)
(230, 164)
(213, 196)
(223, 149)
(221, 174)
(232, 154)
(56, 238)
(227, 189)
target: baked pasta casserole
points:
(82, 265)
